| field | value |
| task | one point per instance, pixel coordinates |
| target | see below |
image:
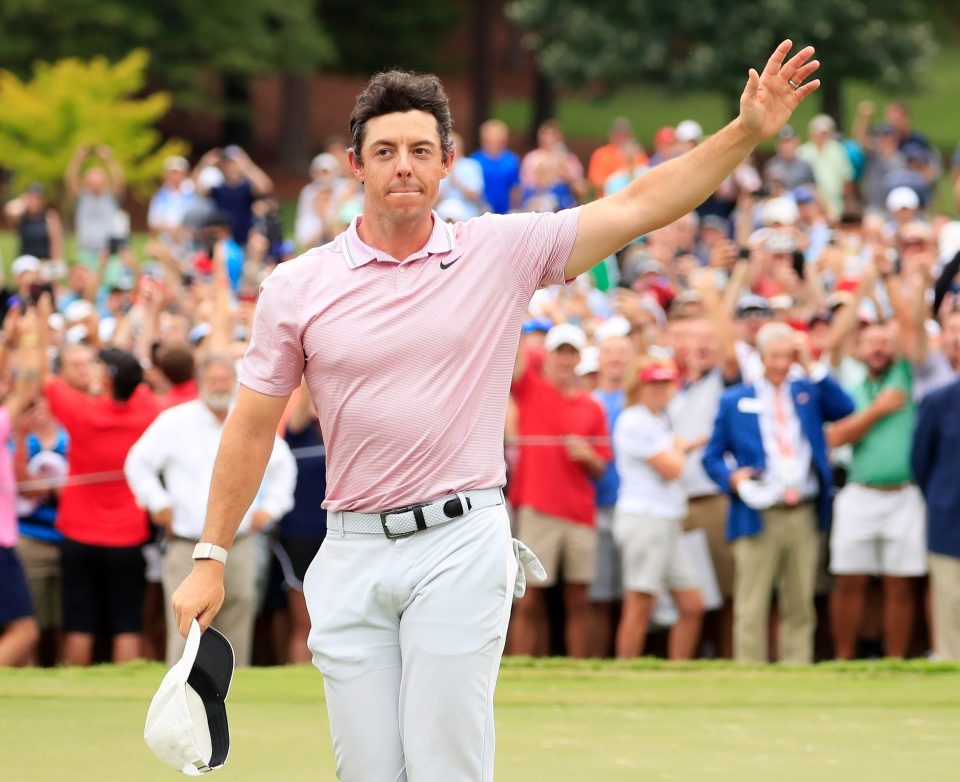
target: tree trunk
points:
(482, 67)
(236, 119)
(831, 100)
(544, 104)
(294, 151)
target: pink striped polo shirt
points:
(409, 363)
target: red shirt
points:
(547, 479)
(102, 430)
(178, 394)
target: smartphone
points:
(37, 289)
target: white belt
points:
(402, 522)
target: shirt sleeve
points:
(641, 436)
(273, 364)
(65, 402)
(279, 482)
(540, 245)
(145, 463)
(602, 444)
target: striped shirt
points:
(409, 362)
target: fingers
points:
(806, 89)
(776, 59)
(183, 620)
(795, 62)
(802, 73)
(753, 82)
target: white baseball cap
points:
(589, 361)
(25, 263)
(565, 334)
(689, 130)
(187, 721)
(616, 326)
(782, 210)
(902, 198)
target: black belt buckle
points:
(416, 510)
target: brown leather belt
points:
(888, 486)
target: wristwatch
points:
(210, 551)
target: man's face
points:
(217, 385)
(750, 323)
(787, 147)
(231, 170)
(95, 180)
(677, 338)
(562, 363)
(493, 139)
(950, 339)
(548, 137)
(702, 337)
(76, 368)
(174, 178)
(778, 359)
(80, 278)
(876, 348)
(614, 357)
(401, 165)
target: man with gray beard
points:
(179, 448)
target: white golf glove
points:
(526, 560)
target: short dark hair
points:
(398, 91)
(124, 370)
(176, 362)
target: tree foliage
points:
(191, 43)
(73, 102)
(709, 44)
(393, 34)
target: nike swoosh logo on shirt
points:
(448, 265)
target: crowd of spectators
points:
(738, 437)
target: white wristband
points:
(210, 551)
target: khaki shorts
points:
(652, 553)
(710, 515)
(559, 542)
(41, 563)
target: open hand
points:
(770, 98)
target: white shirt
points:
(693, 411)
(790, 456)
(180, 446)
(637, 436)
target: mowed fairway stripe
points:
(556, 720)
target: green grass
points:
(556, 720)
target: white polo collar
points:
(441, 241)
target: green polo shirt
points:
(883, 455)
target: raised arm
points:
(245, 448)
(71, 175)
(909, 309)
(118, 180)
(262, 184)
(670, 190)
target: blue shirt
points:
(500, 175)
(237, 202)
(608, 484)
(39, 523)
(308, 519)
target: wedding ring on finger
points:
(793, 84)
